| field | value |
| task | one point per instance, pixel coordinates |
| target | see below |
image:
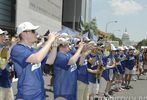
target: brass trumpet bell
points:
(100, 71)
(3, 58)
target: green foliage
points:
(142, 43)
(114, 38)
(89, 27)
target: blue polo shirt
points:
(141, 57)
(65, 77)
(30, 76)
(130, 62)
(91, 76)
(123, 62)
(82, 72)
(105, 73)
(106, 61)
(5, 80)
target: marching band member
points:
(6, 92)
(129, 67)
(65, 72)
(83, 73)
(29, 63)
(126, 49)
(141, 62)
(123, 61)
(110, 63)
(118, 70)
(93, 59)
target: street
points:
(139, 89)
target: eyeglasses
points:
(32, 31)
(2, 35)
(64, 45)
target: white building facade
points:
(45, 13)
(86, 12)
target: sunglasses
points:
(32, 31)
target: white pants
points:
(6, 94)
(93, 88)
(103, 84)
(82, 91)
(128, 71)
(111, 74)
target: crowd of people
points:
(75, 61)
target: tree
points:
(142, 43)
(114, 38)
(89, 27)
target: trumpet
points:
(4, 56)
(59, 40)
(97, 50)
(60, 36)
(100, 69)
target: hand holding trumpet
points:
(53, 36)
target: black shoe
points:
(127, 87)
(111, 93)
(107, 95)
(123, 84)
(130, 87)
(116, 90)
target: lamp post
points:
(108, 24)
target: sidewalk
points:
(139, 89)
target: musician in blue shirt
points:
(141, 62)
(131, 61)
(123, 61)
(29, 63)
(93, 61)
(6, 92)
(65, 72)
(109, 62)
(83, 74)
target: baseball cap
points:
(25, 26)
(131, 48)
(113, 48)
(86, 39)
(120, 48)
(63, 41)
(126, 48)
(92, 43)
(3, 32)
(64, 34)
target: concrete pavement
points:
(139, 89)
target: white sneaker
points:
(107, 95)
(121, 89)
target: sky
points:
(129, 14)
